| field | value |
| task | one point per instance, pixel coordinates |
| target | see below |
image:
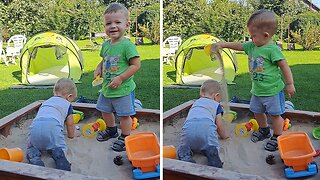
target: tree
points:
(73, 18)
(148, 19)
(25, 17)
(285, 9)
(183, 18)
(126, 3)
(308, 37)
(227, 19)
(152, 30)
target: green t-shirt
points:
(116, 60)
(264, 70)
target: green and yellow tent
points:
(193, 66)
(49, 56)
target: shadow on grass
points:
(146, 44)
(17, 75)
(316, 49)
(98, 47)
(91, 49)
(172, 75)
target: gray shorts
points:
(123, 106)
(273, 105)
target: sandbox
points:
(90, 159)
(242, 158)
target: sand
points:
(241, 154)
(87, 156)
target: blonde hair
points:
(115, 7)
(65, 86)
(264, 20)
(210, 87)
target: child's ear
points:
(69, 96)
(128, 24)
(266, 34)
(216, 96)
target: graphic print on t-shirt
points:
(111, 66)
(256, 68)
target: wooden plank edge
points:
(19, 113)
(93, 106)
(21, 174)
(176, 170)
(35, 105)
(291, 114)
(155, 113)
(168, 115)
(27, 171)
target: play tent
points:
(193, 66)
(47, 57)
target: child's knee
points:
(60, 159)
(276, 118)
(183, 149)
(212, 154)
(185, 153)
(33, 152)
(34, 156)
(125, 118)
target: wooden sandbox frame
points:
(24, 171)
(178, 170)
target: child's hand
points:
(115, 82)
(216, 47)
(290, 90)
(96, 73)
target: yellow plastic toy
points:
(135, 123)
(97, 81)
(232, 115)
(89, 130)
(243, 128)
(207, 49)
(214, 55)
(77, 116)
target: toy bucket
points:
(143, 150)
(296, 150)
(14, 154)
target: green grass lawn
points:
(147, 80)
(305, 66)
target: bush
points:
(308, 36)
(303, 19)
(152, 31)
(5, 34)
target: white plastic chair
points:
(174, 43)
(18, 43)
(3, 53)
